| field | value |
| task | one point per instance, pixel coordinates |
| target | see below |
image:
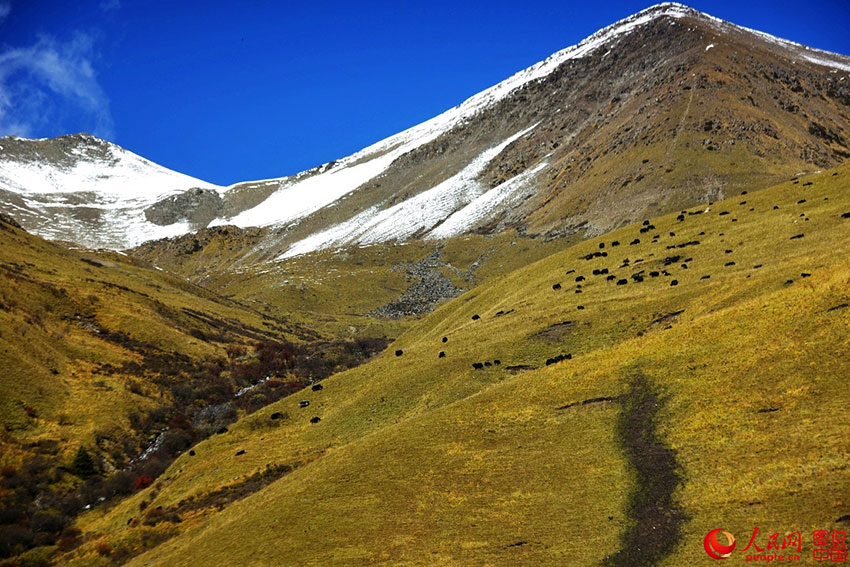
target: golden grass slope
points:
(64, 313)
(420, 460)
(334, 290)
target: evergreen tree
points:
(83, 465)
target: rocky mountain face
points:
(663, 110)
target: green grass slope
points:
(736, 385)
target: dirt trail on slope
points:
(654, 518)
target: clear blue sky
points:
(230, 91)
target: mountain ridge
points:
(327, 206)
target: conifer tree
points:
(83, 465)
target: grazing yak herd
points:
(636, 276)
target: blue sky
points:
(231, 91)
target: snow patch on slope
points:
(490, 204)
(297, 199)
(416, 215)
(117, 229)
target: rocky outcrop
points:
(196, 206)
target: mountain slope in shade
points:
(664, 109)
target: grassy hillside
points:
(687, 403)
(337, 291)
(101, 352)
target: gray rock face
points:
(196, 206)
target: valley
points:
(584, 317)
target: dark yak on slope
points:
(558, 358)
(684, 244)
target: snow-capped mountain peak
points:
(79, 187)
(84, 163)
(591, 136)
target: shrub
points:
(235, 351)
(47, 521)
(136, 388)
(180, 421)
(68, 542)
(14, 539)
(102, 548)
(119, 484)
(141, 482)
(174, 441)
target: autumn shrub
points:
(142, 482)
